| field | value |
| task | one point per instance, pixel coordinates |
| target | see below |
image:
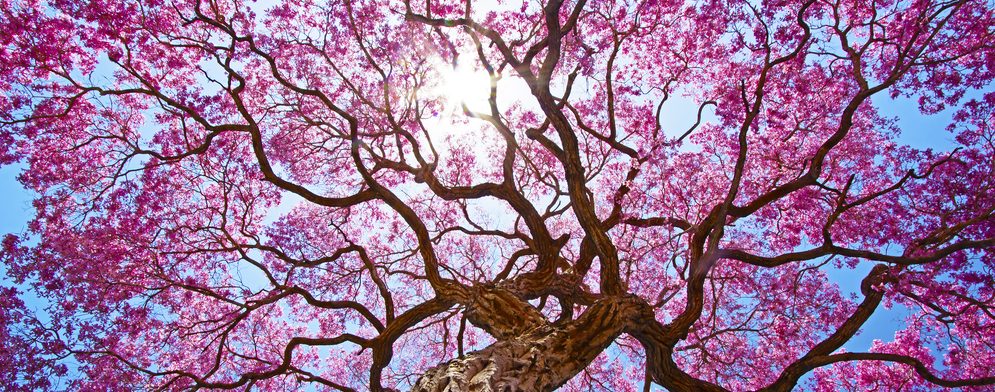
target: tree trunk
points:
(530, 354)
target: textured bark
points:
(540, 359)
(501, 314)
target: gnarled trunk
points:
(530, 354)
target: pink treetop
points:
(375, 195)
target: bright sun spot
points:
(465, 84)
(468, 83)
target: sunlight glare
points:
(465, 85)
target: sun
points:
(465, 84)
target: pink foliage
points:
(234, 195)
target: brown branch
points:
(872, 298)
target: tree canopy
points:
(451, 195)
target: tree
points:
(324, 195)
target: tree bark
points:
(531, 354)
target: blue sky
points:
(15, 201)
